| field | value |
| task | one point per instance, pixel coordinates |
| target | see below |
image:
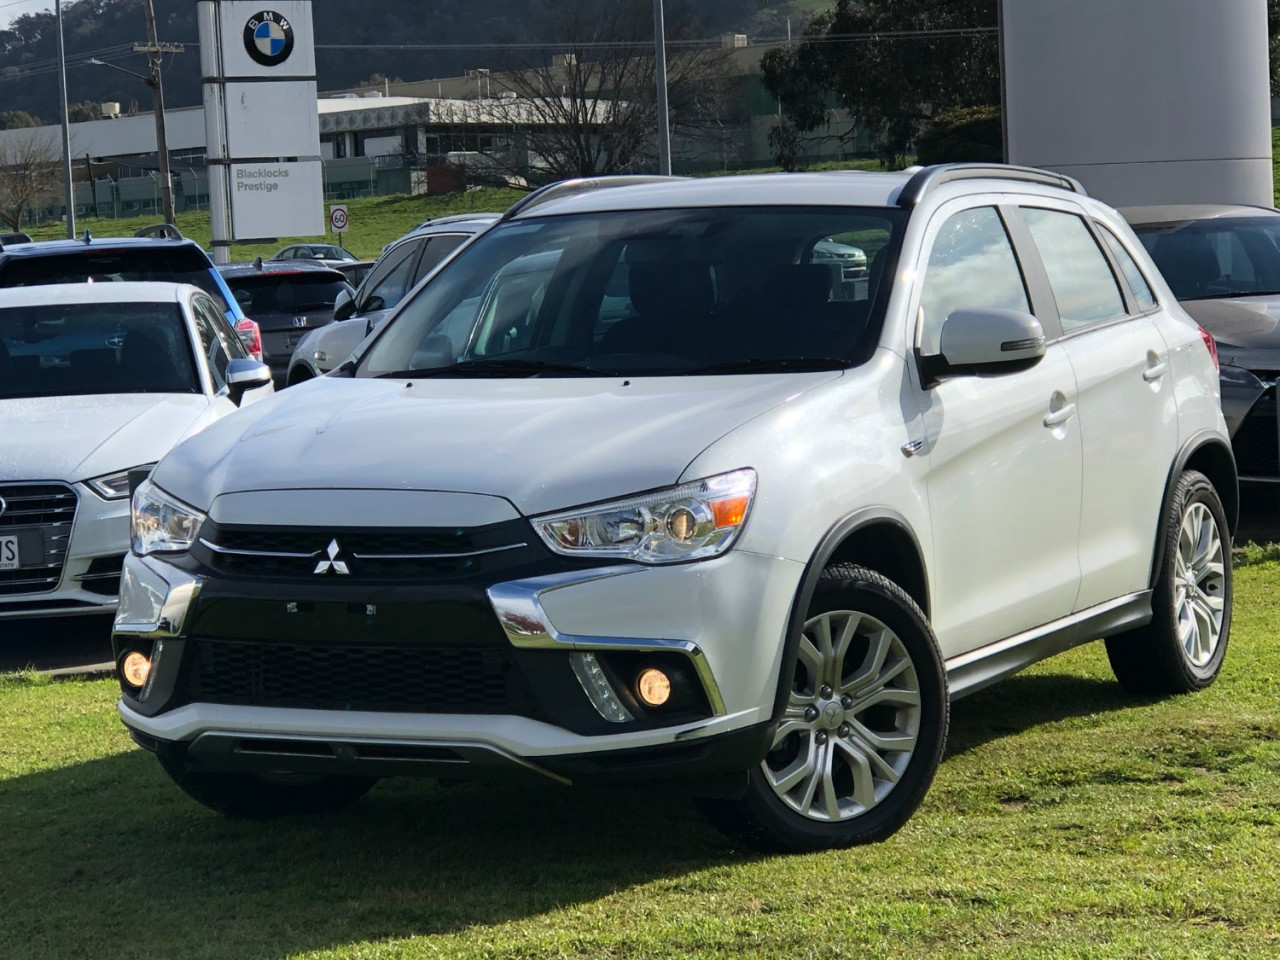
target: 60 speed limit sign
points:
(338, 218)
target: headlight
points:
(115, 486)
(690, 522)
(162, 524)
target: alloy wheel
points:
(852, 720)
(1199, 584)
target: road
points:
(58, 643)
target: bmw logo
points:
(268, 38)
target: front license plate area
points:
(10, 559)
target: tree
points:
(30, 173)
(890, 63)
(589, 108)
(17, 119)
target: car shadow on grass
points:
(1022, 702)
(107, 859)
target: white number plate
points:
(8, 553)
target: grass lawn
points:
(1068, 820)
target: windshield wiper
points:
(496, 367)
(775, 365)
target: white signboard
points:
(276, 199)
(266, 38)
(267, 119)
(338, 221)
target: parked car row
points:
(658, 478)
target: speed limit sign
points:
(338, 218)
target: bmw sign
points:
(268, 38)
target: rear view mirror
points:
(985, 342)
(246, 375)
(344, 305)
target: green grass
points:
(1068, 820)
(375, 221)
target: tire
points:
(299, 375)
(1182, 648)
(879, 730)
(244, 796)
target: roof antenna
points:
(86, 238)
(257, 263)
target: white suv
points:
(637, 486)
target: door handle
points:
(1061, 415)
(1156, 367)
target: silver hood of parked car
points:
(78, 438)
(542, 444)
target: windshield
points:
(164, 264)
(286, 292)
(81, 349)
(650, 293)
(1206, 259)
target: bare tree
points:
(29, 173)
(585, 104)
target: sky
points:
(10, 10)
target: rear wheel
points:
(1183, 646)
(245, 796)
(864, 726)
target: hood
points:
(78, 438)
(1243, 327)
(543, 444)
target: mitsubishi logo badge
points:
(333, 563)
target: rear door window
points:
(1128, 266)
(390, 279)
(436, 250)
(1083, 285)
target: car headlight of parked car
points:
(162, 524)
(115, 486)
(692, 521)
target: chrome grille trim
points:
(49, 508)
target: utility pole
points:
(660, 77)
(68, 186)
(154, 49)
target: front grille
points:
(400, 679)
(1256, 443)
(355, 555)
(40, 514)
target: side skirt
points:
(980, 668)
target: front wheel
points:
(1182, 648)
(244, 796)
(864, 726)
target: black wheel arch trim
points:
(1230, 499)
(826, 549)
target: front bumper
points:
(88, 583)
(724, 619)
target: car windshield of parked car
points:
(179, 264)
(289, 293)
(1207, 259)
(82, 349)
(650, 292)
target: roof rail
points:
(163, 231)
(569, 188)
(930, 178)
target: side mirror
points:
(344, 305)
(985, 342)
(246, 375)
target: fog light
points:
(654, 687)
(135, 669)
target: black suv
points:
(286, 299)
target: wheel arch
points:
(878, 538)
(1209, 453)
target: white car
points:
(97, 380)
(626, 491)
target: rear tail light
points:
(1211, 344)
(251, 336)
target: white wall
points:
(1145, 101)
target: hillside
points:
(108, 28)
